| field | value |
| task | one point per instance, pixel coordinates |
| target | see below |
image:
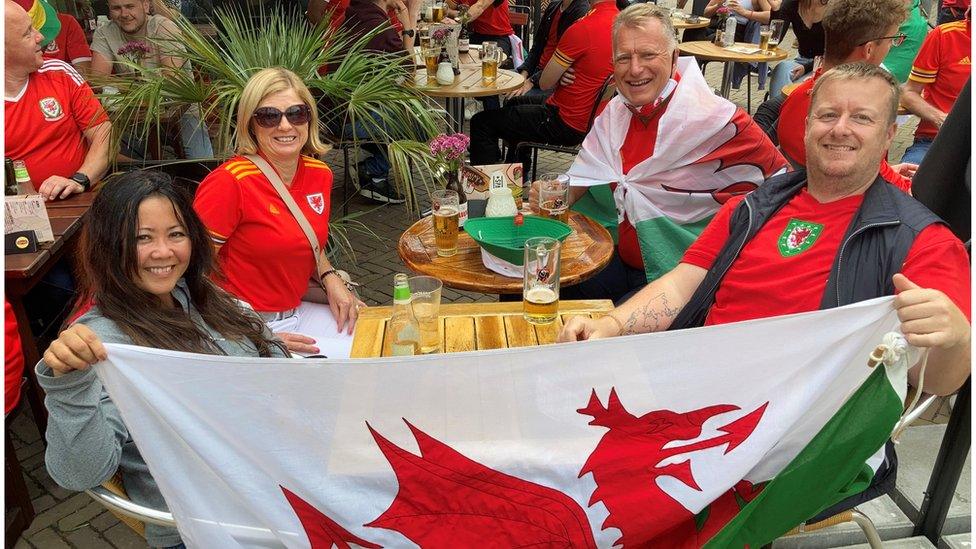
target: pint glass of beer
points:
(444, 206)
(431, 56)
(438, 12)
(554, 196)
(425, 300)
(764, 33)
(540, 291)
(489, 63)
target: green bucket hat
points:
(44, 18)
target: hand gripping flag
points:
(726, 435)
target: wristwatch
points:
(409, 33)
(82, 180)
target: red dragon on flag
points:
(447, 500)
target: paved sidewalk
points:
(67, 519)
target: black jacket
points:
(573, 13)
(872, 251)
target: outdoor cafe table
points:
(470, 58)
(584, 253)
(473, 326)
(704, 50)
(467, 84)
(680, 23)
(23, 271)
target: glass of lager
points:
(438, 14)
(444, 205)
(431, 56)
(489, 63)
(540, 291)
(425, 299)
(764, 33)
(554, 196)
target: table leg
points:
(455, 111)
(727, 79)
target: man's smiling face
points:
(642, 63)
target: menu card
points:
(27, 213)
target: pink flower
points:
(449, 149)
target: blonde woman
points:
(264, 256)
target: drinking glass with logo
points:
(540, 290)
(775, 34)
(554, 196)
(444, 205)
(425, 299)
(489, 63)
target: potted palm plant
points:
(358, 86)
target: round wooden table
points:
(744, 52)
(681, 23)
(467, 84)
(585, 252)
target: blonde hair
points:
(636, 16)
(269, 82)
(860, 71)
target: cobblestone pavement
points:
(68, 519)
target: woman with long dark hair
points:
(146, 262)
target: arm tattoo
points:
(655, 316)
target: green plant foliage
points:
(360, 88)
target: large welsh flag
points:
(727, 435)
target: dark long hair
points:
(109, 264)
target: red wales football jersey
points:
(70, 44)
(43, 123)
(943, 64)
(784, 268)
(264, 256)
(586, 47)
(493, 21)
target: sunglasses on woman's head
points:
(269, 117)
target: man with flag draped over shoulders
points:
(829, 236)
(671, 150)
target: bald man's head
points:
(21, 42)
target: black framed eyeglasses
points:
(269, 117)
(896, 40)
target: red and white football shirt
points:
(264, 256)
(586, 47)
(70, 44)
(43, 123)
(784, 268)
(943, 64)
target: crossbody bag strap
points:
(289, 201)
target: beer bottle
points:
(24, 183)
(404, 327)
(9, 178)
(454, 184)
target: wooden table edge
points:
(480, 309)
(779, 54)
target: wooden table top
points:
(473, 326)
(584, 253)
(66, 218)
(682, 23)
(709, 51)
(468, 83)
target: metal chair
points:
(112, 495)
(604, 94)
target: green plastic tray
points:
(501, 238)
